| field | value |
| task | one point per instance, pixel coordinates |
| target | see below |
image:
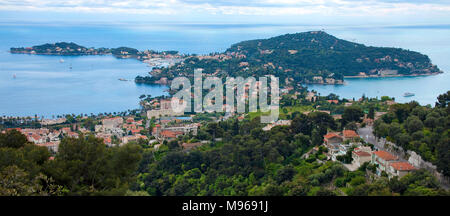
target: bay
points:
(46, 87)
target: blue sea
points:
(89, 84)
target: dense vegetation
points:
(248, 161)
(61, 48)
(422, 129)
(301, 57)
(82, 166)
(238, 159)
(73, 49)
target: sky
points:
(332, 12)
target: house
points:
(382, 159)
(169, 135)
(185, 129)
(333, 101)
(36, 138)
(156, 130)
(277, 123)
(399, 169)
(110, 123)
(336, 116)
(332, 138)
(51, 146)
(130, 138)
(361, 155)
(349, 134)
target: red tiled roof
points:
(170, 134)
(17, 129)
(402, 166)
(349, 133)
(36, 137)
(333, 101)
(330, 135)
(362, 153)
(385, 155)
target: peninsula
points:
(153, 58)
(301, 58)
(313, 57)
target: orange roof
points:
(362, 153)
(170, 134)
(385, 155)
(35, 136)
(401, 166)
(349, 133)
(17, 129)
(333, 101)
(330, 135)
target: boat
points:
(14, 76)
(122, 79)
(61, 61)
(408, 94)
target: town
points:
(157, 125)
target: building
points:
(277, 123)
(382, 159)
(361, 155)
(170, 135)
(332, 138)
(399, 169)
(111, 123)
(185, 129)
(349, 134)
(51, 146)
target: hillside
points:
(309, 57)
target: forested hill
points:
(308, 57)
(317, 53)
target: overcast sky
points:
(333, 12)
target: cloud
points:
(233, 7)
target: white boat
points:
(61, 61)
(122, 79)
(408, 94)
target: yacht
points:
(408, 94)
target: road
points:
(367, 134)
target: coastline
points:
(396, 75)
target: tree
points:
(12, 139)
(85, 166)
(413, 124)
(352, 113)
(371, 113)
(301, 124)
(443, 100)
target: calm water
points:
(46, 87)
